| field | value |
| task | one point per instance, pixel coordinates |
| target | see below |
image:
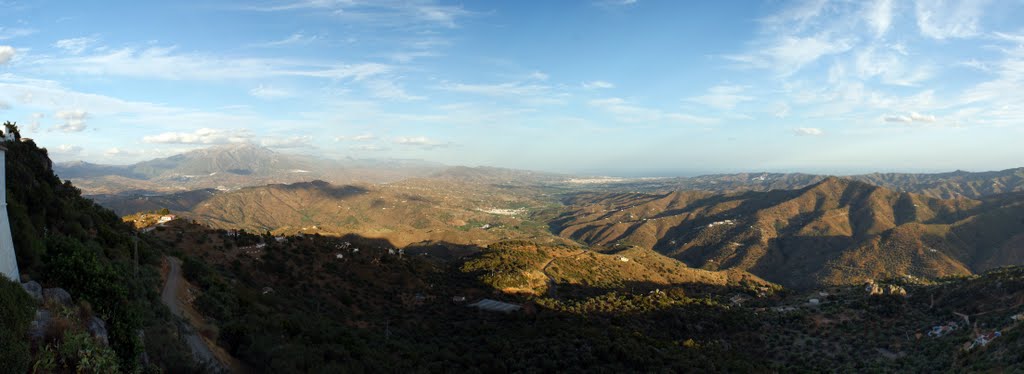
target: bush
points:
(16, 311)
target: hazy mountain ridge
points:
(231, 167)
(939, 185)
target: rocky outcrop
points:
(34, 289)
(98, 329)
(57, 295)
(875, 289)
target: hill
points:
(834, 232)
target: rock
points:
(98, 329)
(57, 295)
(37, 330)
(34, 289)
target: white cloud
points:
(118, 152)
(540, 76)
(4, 105)
(597, 84)
(74, 120)
(6, 33)
(879, 16)
(294, 39)
(289, 142)
(419, 141)
(722, 97)
(941, 19)
(889, 66)
(365, 137)
(75, 45)
(500, 89)
(790, 54)
(68, 149)
(368, 148)
(200, 136)
(6, 54)
(909, 118)
(379, 13)
(164, 63)
(626, 112)
(808, 131)
(267, 92)
(388, 89)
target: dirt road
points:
(169, 296)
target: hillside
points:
(270, 298)
(834, 232)
(543, 269)
(404, 213)
(63, 240)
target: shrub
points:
(16, 311)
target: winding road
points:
(169, 296)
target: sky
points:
(603, 87)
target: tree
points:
(12, 128)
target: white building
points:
(8, 262)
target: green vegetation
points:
(64, 240)
(16, 311)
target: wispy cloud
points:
(379, 13)
(389, 89)
(627, 112)
(790, 54)
(75, 45)
(722, 97)
(294, 39)
(592, 85)
(11, 33)
(808, 131)
(165, 63)
(909, 118)
(267, 92)
(365, 137)
(942, 19)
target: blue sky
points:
(617, 87)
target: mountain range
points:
(230, 167)
(837, 231)
(797, 230)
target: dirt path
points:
(169, 297)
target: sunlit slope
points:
(520, 266)
(404, 213)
